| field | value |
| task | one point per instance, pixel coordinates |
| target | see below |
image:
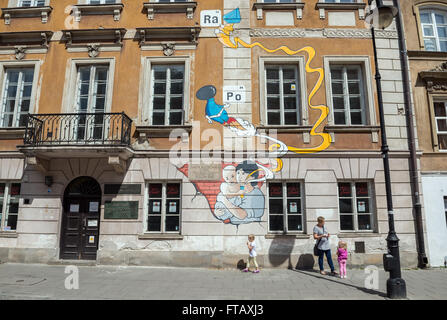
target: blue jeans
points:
(328, 257)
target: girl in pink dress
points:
(342, 253)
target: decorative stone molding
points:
(168, 49)
(319, 33)
(21, 43)
(98, 9)
(150, 8)
(20, 52)
(260, 6)
(81, 40)
(323, 6)
(435, 79)
(93, 50)
(26, 12)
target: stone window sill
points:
(98, 9)
(160, 131)
(287, 236)
(260, 6)
(160, 236)
(12, 133)
(173, 7)
(286, 129)
(358, 234)
(8, 234)
(26, 12)
(322, 7)
(422, 54)
(373, 130)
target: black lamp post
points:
(395, 285)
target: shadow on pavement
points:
(369, 291)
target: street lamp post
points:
(395, 286)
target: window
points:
(101, 1)
(441, 124)
(285, 207)
(355, 206)
(348, 95)
(167, 91)
(17, 90)
(9, 205)
(282, 95)
(434, 29)
(164, 207)
(339, 1)
(31, 3)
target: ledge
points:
(173, 7)
(323, 6)
(160, 236)
(12, 133)
(26, 12)
(260, 6)
(422, 54)
(98, 9)
(352, 129)
(8, 234)
(164, 35)
(287, 236)
(358, 234)
(160, 131)
(286, 129)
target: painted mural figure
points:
(246, 205)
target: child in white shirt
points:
(251, 254)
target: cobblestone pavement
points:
(33, 281)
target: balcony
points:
(71, 135)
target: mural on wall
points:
(237, 199)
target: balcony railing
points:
(78, 129)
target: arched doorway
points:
(80, 219)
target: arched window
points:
(434, 29)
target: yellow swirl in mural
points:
(225, 36)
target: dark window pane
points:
(159, 73)
(154, 223)
(356, 118)
(339, 103)
(361, 189)
(344, 189)
(272, 88)
(336, 73)
(293, 190)
(159, 88)
(345, 205)
(365, 222)
(442, 142)
(172, 223)
(177, 88)
(274, 118)
(294, 206)
(354, 88)
(155, 190)
(273, 103)
(173, 207)
(288, 74)
(177, 72)
(276, 206)
(175, 118)
(276, 223)
(294, 223)
(15, 189)
(12, 222)
(346, 222)
(291, 118)
(173, 190)
(353, 74)
(442, 125)
(290, 103)
(158, 118)
(275, 189)
(289, 88)
(354, 103)
(14, 207)
(176, 103)
(2, 189)
(439, 109)
(159, 103)
(273, 74)
(337, 88)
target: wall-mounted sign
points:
(93, 206)
(74, 207)
(210, 18)
(92, 223)
(91, 239)
(121, 210)
(118, 188)
(234, 94)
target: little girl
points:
(342, 254)
(252, 254)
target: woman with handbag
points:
(322, 247)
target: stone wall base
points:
(198, 259)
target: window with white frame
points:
(91, 95)
(441, 124)
(31, 3)
(101, 1)
(285, 207)
(355, 206)
(167, 92)
(17, 92)
(348, 95)
(282, 95)
(434, 29)
(164, 207)
(9, 205)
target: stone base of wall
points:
(196, 259)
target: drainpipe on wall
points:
(414, 178)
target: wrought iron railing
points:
(78, 129)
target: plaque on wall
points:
(121, 210)
(127, 188)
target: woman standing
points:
(322, 237)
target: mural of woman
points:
(246, 206)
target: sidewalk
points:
(32, 281)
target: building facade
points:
(165, 132)
(427, 55)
